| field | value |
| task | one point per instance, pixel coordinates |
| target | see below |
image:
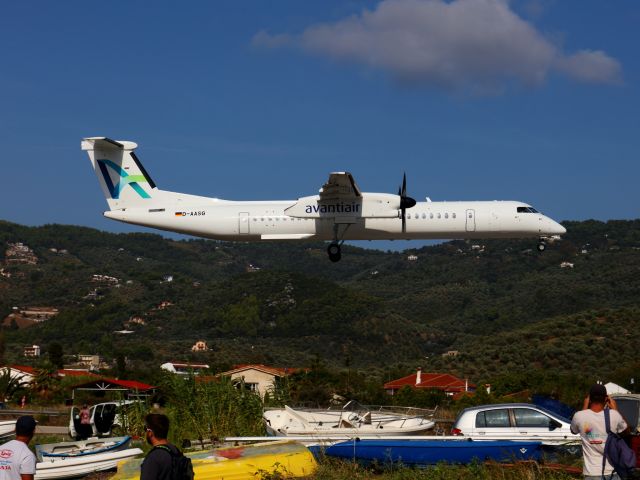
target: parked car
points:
(629, 407)
(512, 421)
(107, 419)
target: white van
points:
(107, 419)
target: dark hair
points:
(25, 426)
(158, 424)
(597, 394)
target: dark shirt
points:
(157, 463)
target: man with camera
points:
(590, 424)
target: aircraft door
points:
(471, 220)
(243, 223)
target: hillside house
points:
(19, 253)
(257, 378)
(38, 314)
(446, 382)
(32, 351)
(185, 368)
(200, 346)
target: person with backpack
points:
(164, 461)
(590, 423)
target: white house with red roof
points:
(449, 384)
(257, 377)
(26, 374)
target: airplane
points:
(341, 211)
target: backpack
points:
(181, 467)
(617, 452)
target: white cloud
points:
(591, 67)
(479, 45)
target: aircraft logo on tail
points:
(125, 179)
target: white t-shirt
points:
(593, 432)
(16, 459)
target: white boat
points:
(352, 419)
(79, 448)
(8, 427)
(79, 466)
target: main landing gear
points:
(542, 245)
(334, 252)
(334, 249)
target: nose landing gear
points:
(541, 246)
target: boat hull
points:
(80, 448)
(288, 459)
(422, 453)
(288, 422)
(72, 467)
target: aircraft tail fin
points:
(124, 181)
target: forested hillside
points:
(500, 306)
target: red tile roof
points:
(128, 384)
(76, 373)
(24, 368)
(437, 381)
(278, 372)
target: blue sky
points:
(532, 100)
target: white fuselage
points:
(255, 221)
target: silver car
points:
(512, 421)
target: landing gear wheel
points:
(542, 246)
(334, 252)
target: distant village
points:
(255, 377)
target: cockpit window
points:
(527, 210)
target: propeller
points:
(405, 202)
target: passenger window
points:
(439, 216)
(424, 215)
(493, 419)
(525, 417)
(416, 216)
(446, 215)
(431, 215)
(453, 215)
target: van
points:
(108, 419)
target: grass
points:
(331, 469)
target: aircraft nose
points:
(554, 228)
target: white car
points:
(107, 419)
(513, 421)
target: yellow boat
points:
(251, 462)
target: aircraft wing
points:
(340, 186)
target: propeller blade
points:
(404, 221)
(404, 185)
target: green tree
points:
(56, 354)
(11, 387)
